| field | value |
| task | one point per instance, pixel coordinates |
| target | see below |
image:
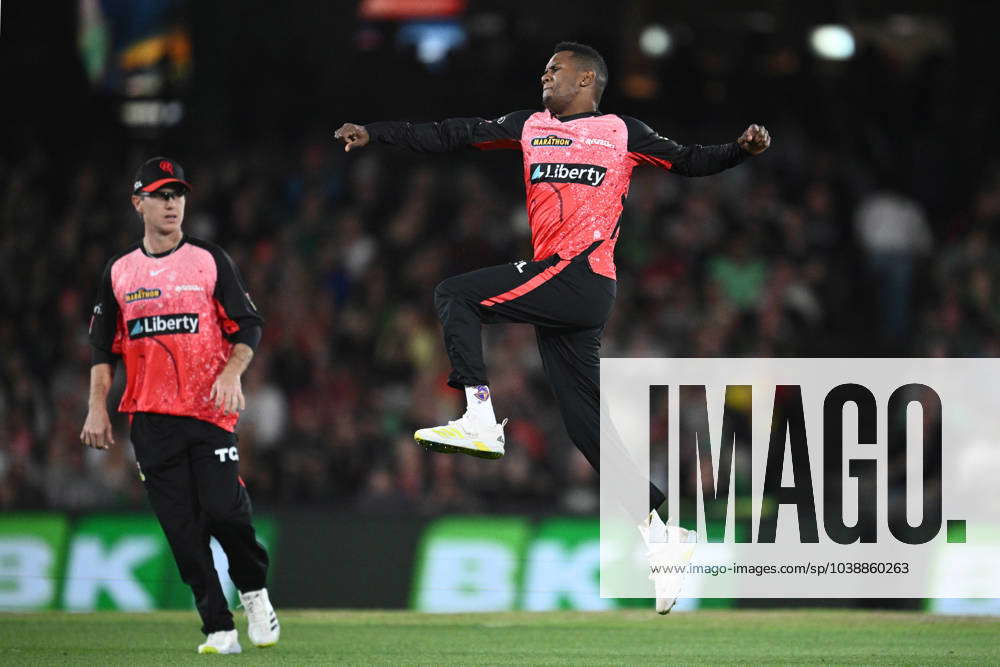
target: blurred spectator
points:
(894, 234)
(343, 263)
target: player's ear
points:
(588, 78)
(137, 204)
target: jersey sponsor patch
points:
(552, 140)
(162, 325)
(141, 294)
(559, 172)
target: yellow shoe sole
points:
(430, 445)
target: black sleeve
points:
(452, 134)
(241, 323)
(104, 321)
(645, 146)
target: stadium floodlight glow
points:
(432, 40)
(832, 42)
(655, 41)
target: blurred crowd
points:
(796, 253)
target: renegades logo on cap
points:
(167, 167)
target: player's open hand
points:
(755, 139)
(97, 431)
(227, 393)
(353, 136)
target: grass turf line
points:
(621, 637)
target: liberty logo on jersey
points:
(161, 325)
(558, 172)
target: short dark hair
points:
(590, 59)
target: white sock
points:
(480, 404)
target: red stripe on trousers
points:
(522, 289)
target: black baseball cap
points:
(157, 172)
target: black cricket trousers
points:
(190, 470)
(569, 306)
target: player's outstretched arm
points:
(440, 137)
(353, 136)
(645, 146)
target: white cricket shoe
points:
(669, 550)
(262, 623)
(223, 641)
(464, 436)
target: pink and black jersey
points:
(173, 318)
(577, 169)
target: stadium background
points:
(867, 230)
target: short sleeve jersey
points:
(173, 319)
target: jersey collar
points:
(160, 255)
(585, 114)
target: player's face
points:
(560, 81)
(162, 210)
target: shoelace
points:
(254, 609)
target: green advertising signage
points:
(120, 562)
(470, 564)
(31, 552)
(500, 564)
(117, 562)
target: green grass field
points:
(625, 637)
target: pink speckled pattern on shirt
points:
(567, 218)
(170, 367)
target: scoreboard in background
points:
(141, 54)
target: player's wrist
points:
(230, 374)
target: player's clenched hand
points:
(227, 392)
(96, 431)
(755, 139)
(353, 136)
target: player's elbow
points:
(444, 292)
